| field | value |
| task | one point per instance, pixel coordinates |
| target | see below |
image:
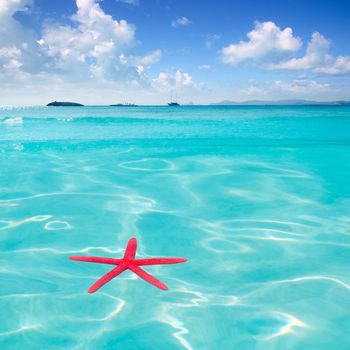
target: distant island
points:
(64, 104)
(281, 103)
(295, 102)
(123, 105)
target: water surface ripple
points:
(256, 198)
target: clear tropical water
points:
(257, 198)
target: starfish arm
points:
(130, 250)
(147, 277)
(96, 259)
(159, 261)
(106, 278)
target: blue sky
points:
(204, 51)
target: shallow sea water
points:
(257, 198)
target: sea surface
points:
(257, 199)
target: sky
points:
(145, 51)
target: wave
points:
(13, 121)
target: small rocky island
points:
(64, 104)
(124, 105)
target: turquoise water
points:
(257, 198)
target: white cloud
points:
(88, 53)
(89, 47)
(267, 40)
(317, 58)
(129, 2)
(264, 40)
(253, 91)
(205, 67)
(141, 63)
(211, 39)
(173, 80)
(316, 54)
(10, 52)
(92, 44)
(301, 86)
(12, 65)
(341, 65)
(9, 7)
(149, 59)
(140, 69)
(181, 21)
(18, 47)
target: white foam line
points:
(271, 238)
(267, 229)
(65, 225)
(115, 312)
(20, 330)
(181, 331)
(41, 195)
(292, 173)
(25, 295)
(201, 298)
(267, 221)
(63, 252)
(124, 165)
(213, 230)
(196, 301)
(310, 278)
(13, 223)
(289, 327)
(110, 316)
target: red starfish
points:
(128, 262)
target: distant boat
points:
(124, 105)
(64, 104)
(172, 103)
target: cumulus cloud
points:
(317, 58)
(211, 39)
(316, 54)
(92, 44)
(264, 40)
(141, 63)
(301, 86)
(10, 52)
(18, 46)
(267, 42)
(9, 7)
(340, 65)
(173, 80)
(149, 59)
(181, 21)
(253, 91)
(90, 51)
